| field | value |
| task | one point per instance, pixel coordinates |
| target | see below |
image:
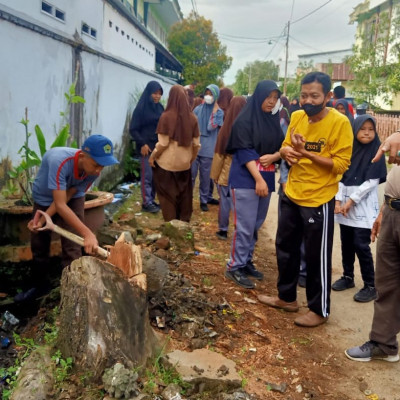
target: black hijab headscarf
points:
(145, 117)
(254, 128)
(345, 104)
(361, 168)
(146, 109)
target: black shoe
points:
(151, 208)
(240, 278)
(213, 202)
(343, 283)
(366, 294)
(250, 270)
(302, 281)
(203, 206)
(223, 235)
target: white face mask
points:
(277, 107)
(208, 99)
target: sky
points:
(264, 22)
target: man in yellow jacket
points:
(318, 146)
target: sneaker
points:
(302, 281)
(366, 294)
(213, 202)
(223, 235)
(150, 208)
(343, 283)
(240, 278)
(276, 302)
(310, 320)
(250, 270)
(203, 207)
(369, 351)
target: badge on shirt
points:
(315, 146)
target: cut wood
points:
(103, 317)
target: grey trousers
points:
(202, 165)
(386, 320)
(146, 179)
(225, 205)
(249, 213)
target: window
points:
(110, 24)
(48, 9)
(85, 28)
(116, 28)
(60, 15)
(93, 33)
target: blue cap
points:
(100, 149)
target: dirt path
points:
(348, 326)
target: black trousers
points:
(357, 241)
(314, 226)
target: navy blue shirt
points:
(241, 178)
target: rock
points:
(198, 343)
(163, 243)
(156, 271)
(363, 386)
(281, 388)
(219, 373)
(180, 233)
(107, 235)
(153, 237)
(35, 380)
(120, 382)
(171, 392)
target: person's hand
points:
(151, 162)
(267, 159)
(35, 224)
(376, 227)
(346, 207)
(215, 108)
(90, 243)
(298, 141)
(145, 150)
(392, 145)
(261, 188)
(283, 186)
(290, 155)
(338, 208)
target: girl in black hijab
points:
(357, 207)
(254, 142)
(143, 131)
(342, 106)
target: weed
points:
(63, 366)
(207, 282)
(305, 341)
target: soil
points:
(199, 307)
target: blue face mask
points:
(313, 109)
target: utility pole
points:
(286, 58)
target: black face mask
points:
(311, 109)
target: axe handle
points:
(78, 240)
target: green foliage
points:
(375, 62)
(22, 176)
(197, 47)
(131, 164)
(158, 373)
(62, 366)
(254, 72)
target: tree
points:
(252, 73)
(194, 43)
(375, 62)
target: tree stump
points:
(103, 318)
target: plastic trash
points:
(10, 319)
(5, 342)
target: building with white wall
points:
(106, 42)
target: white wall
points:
(141, 51)
(39, 69)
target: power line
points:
(312, 12)
(248, 38)
(303, 44)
